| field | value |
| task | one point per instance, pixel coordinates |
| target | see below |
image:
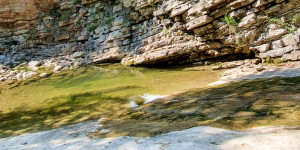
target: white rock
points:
(43, 75)
(33, 64)
(263, 48)
(28, 75)
(19, 76)
(247, 21)
(291, 40)
(57, 68)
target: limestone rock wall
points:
(18, 16)
(142, 32)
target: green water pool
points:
(90, 93)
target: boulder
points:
(57, 69)
(43, 75)
(79, 62)
(28, 75)
(113, 55)
(291, 40)
(263, 48)
(78, 55)
(277, 44)
(34, 64)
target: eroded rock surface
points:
(147, 32)
(20, 15)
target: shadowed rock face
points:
(21, 14)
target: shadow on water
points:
(73, 97)
(237, 106)
(61, 111)
(88, 93)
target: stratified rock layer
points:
(16, 15)
(150, 32)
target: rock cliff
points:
(146, 32)
(18, 16)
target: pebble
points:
(260, 68)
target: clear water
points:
(98, 91)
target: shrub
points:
(277, 20)
(65, 15)
(289, 27)
(291, 30)
(230, 21)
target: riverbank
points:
(258, 71)
(198, 138)
(251, 114)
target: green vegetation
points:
(291, 30)
(41, 17)
(76, 1)
(20, 68)
(151, 4)
(154, 27)
(65, 15)
(296, 19)
(166, 31)
(94, 23)
(272, 61)
(91, 27)
(278, 21)
(288, 26)
(108, 20)
(63, 28)
(33, 34)
(99, 18)
(231, 21)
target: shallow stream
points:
(90, 93)
(107, 91)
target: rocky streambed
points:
(88, 93)
(34, 107)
